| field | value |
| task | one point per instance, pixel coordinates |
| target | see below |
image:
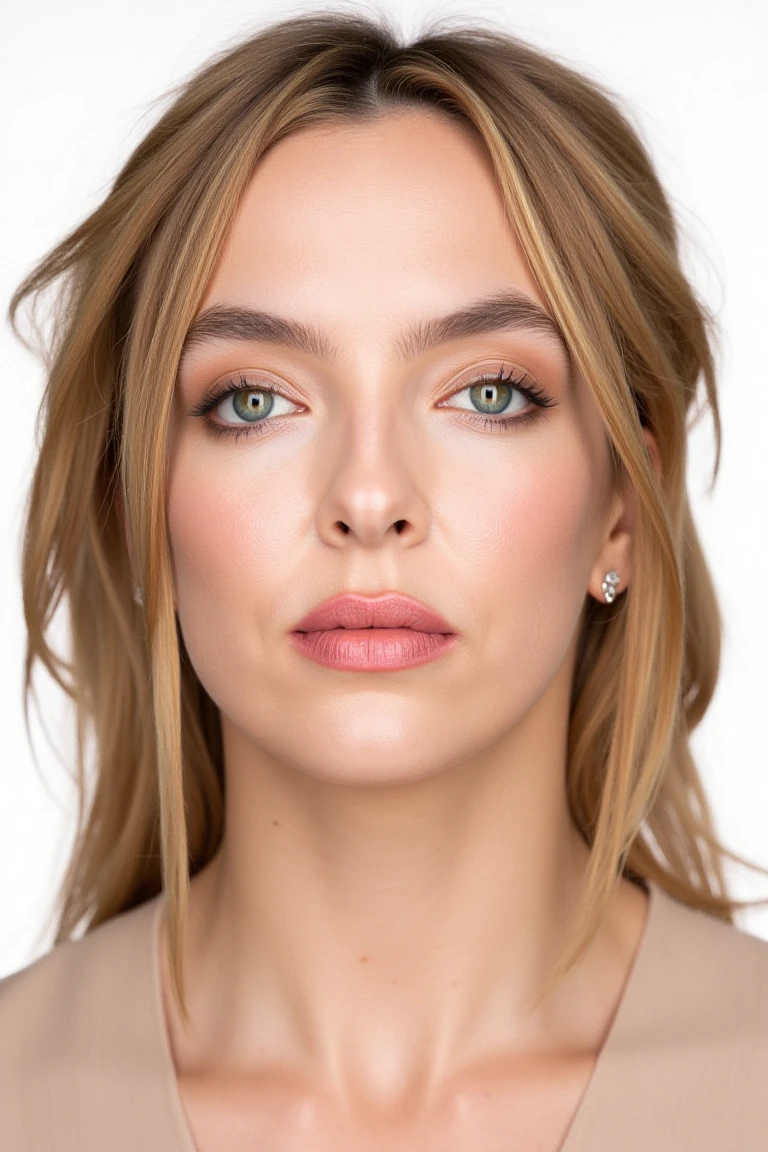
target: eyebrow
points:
(507, 310)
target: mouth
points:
(372, 649)
(360, 612)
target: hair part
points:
(596, 227)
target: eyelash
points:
(531, 391)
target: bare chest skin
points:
(529, 1109)
(513, 1102)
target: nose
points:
(375, 493)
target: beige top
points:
(86, 1064)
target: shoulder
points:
(690, 1063)
(49, 994)
(719, 970)
(686, 1063)
(75, 1018)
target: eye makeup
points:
(513, 381)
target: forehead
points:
(373, 220)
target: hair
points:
(599, 233)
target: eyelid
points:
(518, 379)
(229, 387)
(221, 389)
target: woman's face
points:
(372, 471)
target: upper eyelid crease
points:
(238, 383)
(522, 384)
(508, 310)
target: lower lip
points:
(373, 649)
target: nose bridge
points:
(374, 422)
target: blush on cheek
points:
(539, 538)
(221, 531)
(553, 522)
(225, 521)
(202, 532)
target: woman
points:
(363, 472)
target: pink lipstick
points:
(355, 632)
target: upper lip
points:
(358, 610)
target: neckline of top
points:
(633, 993)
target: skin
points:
(398, 866)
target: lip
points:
(355, 610)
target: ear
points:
(616, 552)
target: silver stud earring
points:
(612, 578)
(138, 596)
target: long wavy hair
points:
(598, 231)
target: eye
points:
(248, 407)
(491, 403)
(245, 406)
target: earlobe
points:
(611, 575)
(608, 584)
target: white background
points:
(77, 80)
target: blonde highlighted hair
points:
(600, 236)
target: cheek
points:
(512, 545)
(528, 534)
(230, 545)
